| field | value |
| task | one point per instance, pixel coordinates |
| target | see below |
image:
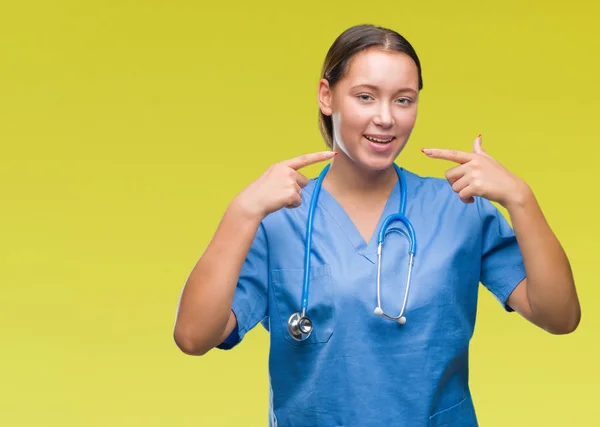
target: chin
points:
(378, 163)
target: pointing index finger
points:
(308, 159)
(452, 155)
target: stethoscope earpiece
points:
(379, 312)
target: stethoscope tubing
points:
(299, 324)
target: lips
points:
(381, 143)
(380, 139)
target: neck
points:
(345, 177)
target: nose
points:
(383, 117)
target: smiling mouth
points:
(380, 140)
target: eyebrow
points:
(375, 88)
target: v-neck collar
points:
(334, 208)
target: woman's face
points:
(373, 107)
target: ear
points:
(325, 97)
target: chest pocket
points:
(287, 293)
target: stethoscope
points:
(299, 324)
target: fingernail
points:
(335, 153)
(426, 150)
(479, 136)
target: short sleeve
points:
(502, 267)
(250, 300)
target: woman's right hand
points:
(280, 186)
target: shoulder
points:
(435, 195)
(425, 182)
(289, 220)
(430, 189)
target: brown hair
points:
(349, 43)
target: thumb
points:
(477, 148)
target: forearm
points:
(550, 286)
(206, 300)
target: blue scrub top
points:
(358, 369)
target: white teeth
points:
(383, 141)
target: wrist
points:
(520, 197)
(245, 210)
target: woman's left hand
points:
(478, 174)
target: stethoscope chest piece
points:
(299, 327)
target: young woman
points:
(365, 334)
